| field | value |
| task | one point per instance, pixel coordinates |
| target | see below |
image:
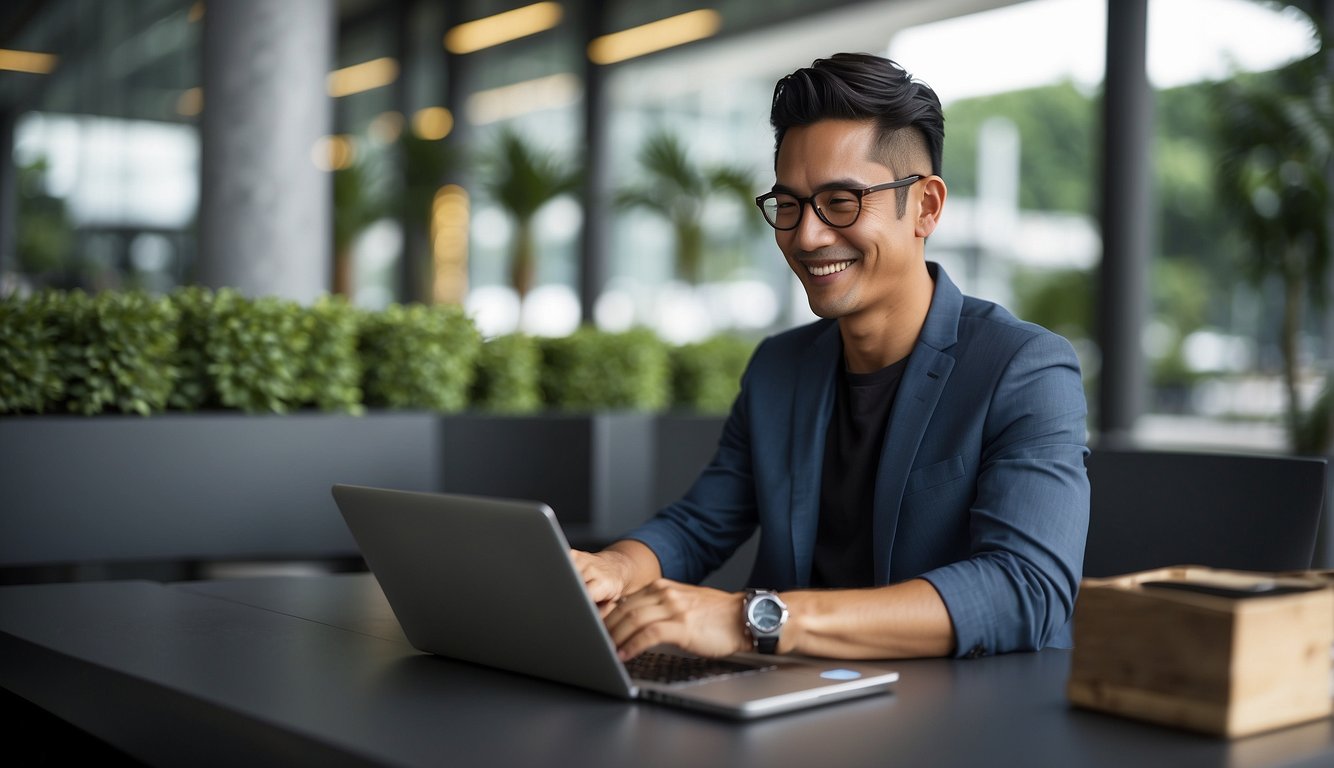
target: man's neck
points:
(872, 341)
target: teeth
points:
(828, 269)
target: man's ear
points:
(931, 207)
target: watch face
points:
(765, 614)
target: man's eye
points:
(841, 201)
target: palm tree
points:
(679, 190)
(1277, 131)
(521, 180)
(425, 165)
(357, 203)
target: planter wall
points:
(216, 487)
(197, 486)
(594, 470)
(602, 473)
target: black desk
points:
(314, 671)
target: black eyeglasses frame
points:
(906, 181)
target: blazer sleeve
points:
(692, 537)
(1029, 521)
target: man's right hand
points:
(616, 572)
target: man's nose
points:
(812, 233)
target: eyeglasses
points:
(838, 208)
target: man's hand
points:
(704, 621)
(606, 576)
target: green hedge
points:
(706, 376)
(29, 377)
(113, 352)
(331, 371)
(194, 385)
(592, 369)
(419, 357)
(201, 349)
(254, 350)
(509, 371)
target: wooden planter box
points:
(1223, 665)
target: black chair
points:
(1152, 509)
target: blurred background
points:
(554, 164)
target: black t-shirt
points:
(843, 552)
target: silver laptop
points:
(491, 581)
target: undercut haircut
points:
(860, 86)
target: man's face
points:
(857, 269)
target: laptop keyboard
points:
(675, 668)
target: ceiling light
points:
(655, 36)
(27, 61)
(503, 27)
(432, 123)
(362, 77)
(333, 153)
(190, 103)
(508, 101)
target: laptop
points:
(491, 581)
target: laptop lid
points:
(484, 580)
(491, 581)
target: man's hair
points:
(859, 86)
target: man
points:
(914, 461)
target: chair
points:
(1151, 509)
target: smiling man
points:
(914, 460)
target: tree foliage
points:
(1277, 134)
(521, 179)
(1058, 164)
(678, 189)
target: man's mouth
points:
(823, 270)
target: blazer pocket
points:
(932, 475)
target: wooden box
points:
(1216, 663)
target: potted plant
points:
(208, 426)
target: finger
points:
(623, 624)
(647, 637)
(602, 591)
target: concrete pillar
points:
(597, 195)
(1127, 207)
(9, 206)
(414, 267)
(1324, 555)
(266, 218)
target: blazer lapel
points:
(812, 408)
(923, 382)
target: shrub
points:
(114, 351)
(509, 371)
(254, 350)
(29, 379)
(593, 370)
(706, 376)
(194, 384)
(330, 377)
(419, 357)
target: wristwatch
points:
(765, 615)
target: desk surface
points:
(315, 671)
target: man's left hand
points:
(704, 621)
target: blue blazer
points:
(981, 488)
